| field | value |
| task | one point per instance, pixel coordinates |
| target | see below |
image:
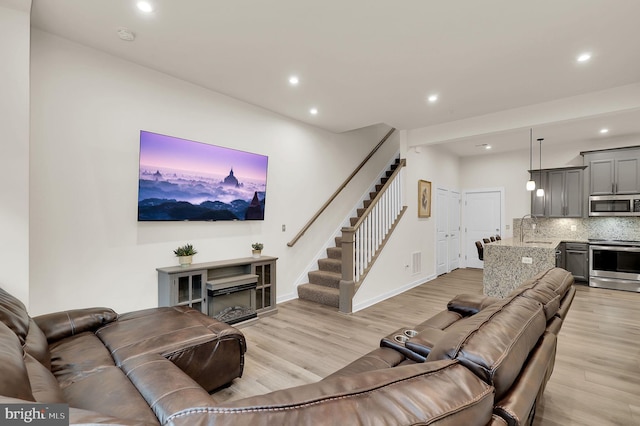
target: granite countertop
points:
(548, 243)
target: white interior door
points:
(454, 230)
(441, 207)
(447, 207)
(483, 218)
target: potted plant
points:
(257, 249)
(185, 254)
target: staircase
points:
(324, 284)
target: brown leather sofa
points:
(482, 361)
(135, 368)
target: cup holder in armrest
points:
(400, 338)
(422, 342)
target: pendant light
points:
(531, 184)
(540, 191)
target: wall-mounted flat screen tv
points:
(183, 180)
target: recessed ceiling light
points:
(145, 6)
(604, 131)
(432, 98)
(487, 147)
(584, 57)
(484, 146)
(293, 80)
(313, 111)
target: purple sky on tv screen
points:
(182, 170)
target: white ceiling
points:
(362, 62)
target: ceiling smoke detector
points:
(126, 34)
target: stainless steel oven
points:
(615, 265)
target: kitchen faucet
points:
(535, 221)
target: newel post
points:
(347, 284)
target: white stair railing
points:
(362, 242)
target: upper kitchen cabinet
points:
(563, 193)
(615, 171)
(564, 196)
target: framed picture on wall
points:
(424, 198)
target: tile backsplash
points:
(609, 228)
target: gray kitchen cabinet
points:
(573, 199)
(614, 171)
(576, 258)
(183, 289)
(627, 175)
(563, 193)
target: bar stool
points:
(480, 250)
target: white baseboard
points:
(362, 305)
(365, 304)
(286, 297)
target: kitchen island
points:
(508, 263)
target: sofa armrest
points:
(423, 342)
(58, 325)
(166, 388)
(518, 405)
(498, 421)
(470, 304)
(565, 303)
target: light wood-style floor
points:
(596, 380)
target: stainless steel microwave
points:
(614, 205)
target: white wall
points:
(87, 247)
(14, 151)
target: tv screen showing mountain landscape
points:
(185, 180)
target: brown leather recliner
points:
(485, 361)
(139, 367)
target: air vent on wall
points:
(416, 263)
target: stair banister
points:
(337, 192)
(362, 242)
(403, 162)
